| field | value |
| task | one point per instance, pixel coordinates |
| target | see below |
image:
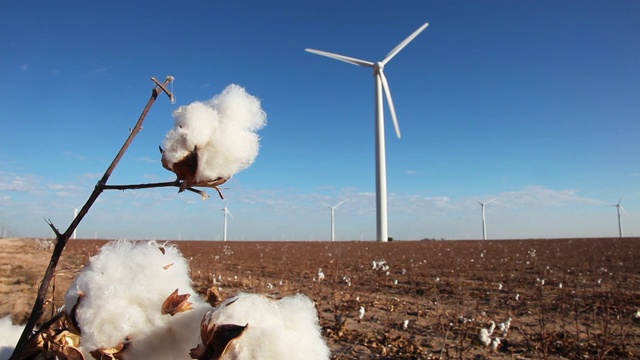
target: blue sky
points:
(535, 103)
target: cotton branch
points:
(55, 230)
(62, 239)
(177, 183)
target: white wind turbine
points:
(333, 208)
(619, 207)
(381, 162)
(484, 227)
(75, 231)
(224, 225)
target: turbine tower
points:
(381, 162)
(75, 231)
(618, 207)
(333, 208)
(224, 225)
(484, 226)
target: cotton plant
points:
(135, 300)
(215, 139)
(254, 326)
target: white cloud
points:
(19, 183)
(101, 70)
(147, 160)
(24, 67)
(65, 190)
(540, 196)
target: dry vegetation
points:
(447, 290)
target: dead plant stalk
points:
(62, 238)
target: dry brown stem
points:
(62, 238)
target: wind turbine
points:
(618, 206)
(333, 208)
(75, 231)
(484, 227)
(224, 226)
(381, 162)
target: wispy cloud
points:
(24, 67)
(19, 183)
(103, 70)
(91, 176)
(65, 190)
(147, 160)
(74, 156)
(542, 196)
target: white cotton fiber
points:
(194, 125)
(223, 129)
(237, 106)
(236, 149)
(123, 289)
(9, 336)
(278, 329)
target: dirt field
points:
(567, 298)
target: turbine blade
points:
(387, 92)
(325, 204)
(400, 46)
(338, 204)
(347, 59)
(490, 200)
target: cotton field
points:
(402, 300)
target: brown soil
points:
(448, 290)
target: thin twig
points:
(62, 239)
(175, 183)
(444, 345)
(55, 230)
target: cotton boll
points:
(175, 147)
(235, 150)
(194, 125)
(495, 343)
(484, 337)
(237, 106)
(222, 133)
(277, 329)
(120, 294)
(9, 336)
(198, 120)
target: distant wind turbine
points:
(224, 226)
(484, 226)
(381, 162)
(333, 208)
(619, 207)
(75, 231)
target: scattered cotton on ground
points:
(221, 129)
(9, 336)
(278, 329)
(123, 288)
